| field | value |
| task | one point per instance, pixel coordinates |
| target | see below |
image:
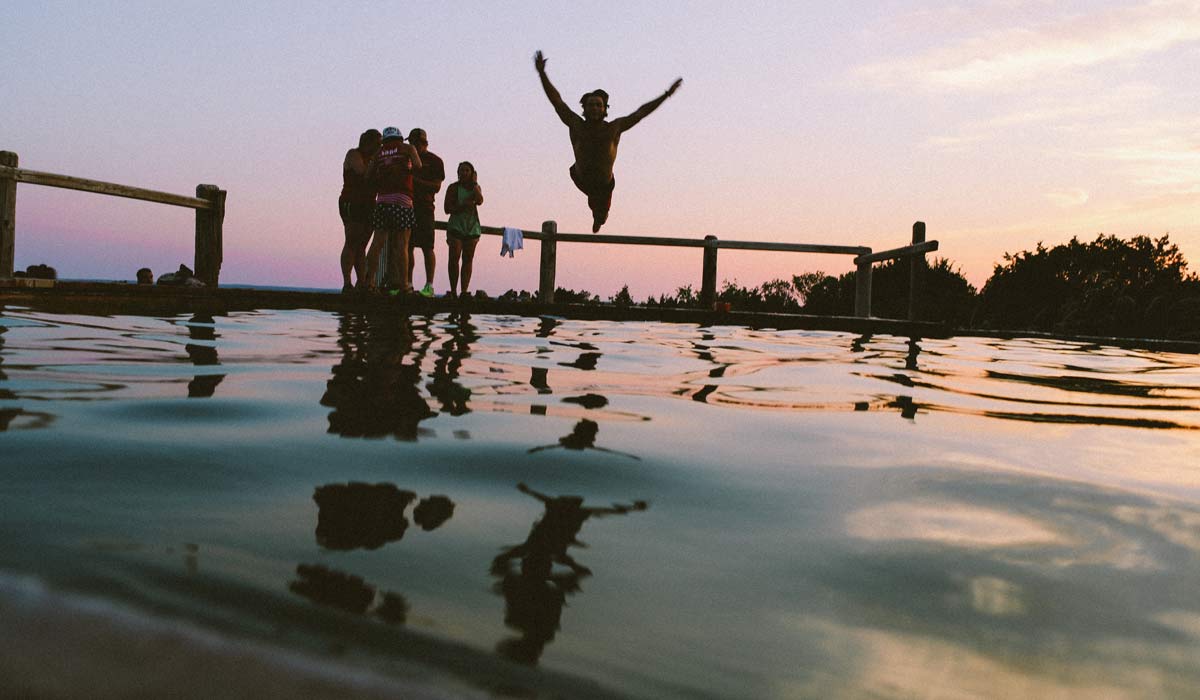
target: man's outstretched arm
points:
(564, 112)
(642, 112)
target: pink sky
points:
(999, 123)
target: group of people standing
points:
(387, 204)
(389, 191)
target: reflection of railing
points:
(864, 259)
(209, 204)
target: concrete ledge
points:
(114, 298)
(151, 300)
(25, 283)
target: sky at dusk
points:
(1000, 123)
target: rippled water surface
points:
(652, 510)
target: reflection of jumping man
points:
(595, 140)
(534, 595)
(582, 437)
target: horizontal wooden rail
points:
(209, 204)
(864, 259)
(795, 247)
(33, 177)
(681, 242)
(917, 249)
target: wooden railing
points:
(209, 204)
(864, 259)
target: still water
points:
(507, 506)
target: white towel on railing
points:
(513, 240)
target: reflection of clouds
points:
(1176, 526)
(954, 524)
(894, 664)
(1184, 621)
(996, 597)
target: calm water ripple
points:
(767, 514)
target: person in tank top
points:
(355, 204)
(462, 229)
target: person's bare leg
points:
(360, 259)
(412, 259)
(354, 253)
(600, 203)
(347, 258)
(400, 267)
(454, 249)
(373, 255)
(468, 262)
(430, 265)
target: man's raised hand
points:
(539, 61)
(670, 91)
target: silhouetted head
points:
(393, 133)
(368, 141)
(595, 105)
(582, 436)
(568, 502)
(419, 140)
(466, 172)
(145, 276)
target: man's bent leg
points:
(600, 203)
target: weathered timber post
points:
(708, 275)
(549, 262)
(209, 234)
(8, 216)
(862, 290)
(916, 265)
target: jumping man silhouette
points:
(595, 140)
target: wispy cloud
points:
(1072, 197)
(1053, 111)
(1160, 155)
(1013, 55)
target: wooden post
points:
(8, 217)
(549, 262)
(916, 263)
(862, 290)
(209, 234)
(708, 278)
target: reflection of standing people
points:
(533, 594)
(391, 171)
(357, 515)
(595, 140)
(432, 512)
(462, 230)
(355, 205)
(373, 391)
(427, 181)
(445, 385)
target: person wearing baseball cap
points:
(391, 171)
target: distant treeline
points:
(1138, 287)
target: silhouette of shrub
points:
(1108, 286)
